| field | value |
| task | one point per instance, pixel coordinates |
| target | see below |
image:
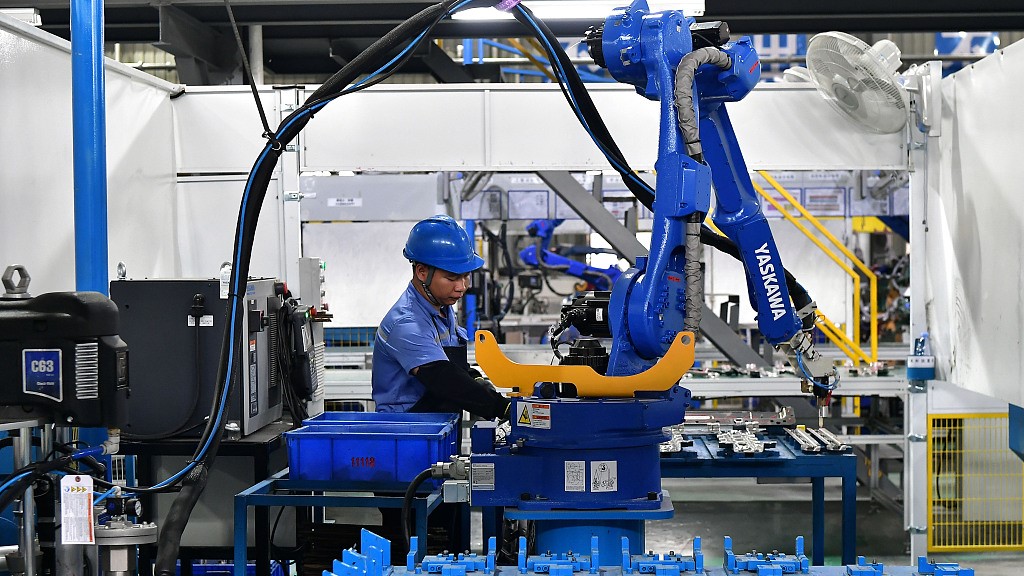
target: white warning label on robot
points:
(604, 476)
(482, 476)
(533, 415)
(76, 517)
(575, 476)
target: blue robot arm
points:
(540, 256)
(661, 295)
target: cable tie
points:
(275, 144)
(507, 5)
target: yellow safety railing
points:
(851, 347)
(976, 485)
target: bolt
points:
(21, 286)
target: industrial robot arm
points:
(692, 70)
(539, 255)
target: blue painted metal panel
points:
(1016, 422)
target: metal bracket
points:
(916, 437)
(917, 386)
(291, 148)
(917, 530)
(505, 373)
(293, 196)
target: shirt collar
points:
(425, 304)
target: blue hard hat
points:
(440, 242)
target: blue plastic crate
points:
(386, 451)
(351, 417)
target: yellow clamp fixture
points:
(505, 373)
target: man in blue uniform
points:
(419, 354)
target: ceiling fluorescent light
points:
(578, 9)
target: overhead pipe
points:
(89, 122)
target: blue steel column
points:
(818, 520)
(88, 103)
(850, 512)
(469, 302)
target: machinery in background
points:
(310, 354)
(175, 327)
(61, 358)
(540, 255)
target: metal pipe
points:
(23, 449)
(88, 105)
(256, 53)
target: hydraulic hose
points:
(410, 493)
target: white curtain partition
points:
(975, 238)
(37, 213)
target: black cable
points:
(544, 276)
(273, 534)
(410, 492)
(256, 188)
(267, 132)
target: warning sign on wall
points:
(533, 415)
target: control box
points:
(175, 328)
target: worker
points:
(419, 353)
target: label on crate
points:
(76, 513)
(533, 415)
(575, 476)
(483, 476)
(604, 476)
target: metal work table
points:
(706, 460)
(279, 490)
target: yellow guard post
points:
(505, 373)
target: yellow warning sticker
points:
(524, 416)
(534, 415)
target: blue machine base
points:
(570, 535)
(573, 529)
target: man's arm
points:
(444, 379)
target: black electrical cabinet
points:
(174, 329)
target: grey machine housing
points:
(175, 328)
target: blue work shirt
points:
(411, 334)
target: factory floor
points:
(769, 517)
